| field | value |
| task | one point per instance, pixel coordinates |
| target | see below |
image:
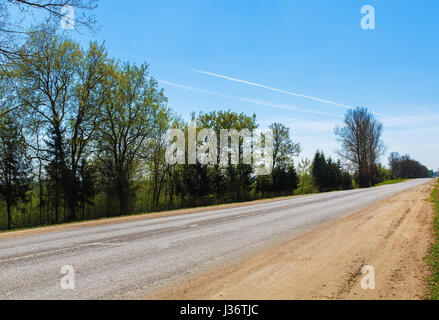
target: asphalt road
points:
(132, 259)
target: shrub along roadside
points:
(434, 256)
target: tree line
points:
(403, 167)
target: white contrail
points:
(258, 102)
(272, 89)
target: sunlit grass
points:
(434, 255)
(393, 181)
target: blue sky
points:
(274, 50)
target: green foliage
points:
(284, 149)
(381, 174)
(61, 89)
(264, 186)
(131, 113)
(285, 180)
(329, 175)
(14, 165)
(434, 255)
(306, 181)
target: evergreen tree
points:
(329, 175)
(15, 165)
(59, 178)
(320, 171)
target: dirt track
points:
(393, 236)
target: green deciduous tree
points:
(63, 88)
(126, 125)
(306, 180)
(236, 178)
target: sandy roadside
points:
(393, 236)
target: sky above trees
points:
(313, 48)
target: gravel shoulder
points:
(393, 235)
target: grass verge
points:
(434, 255)
(384, 183)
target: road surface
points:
(128, 260)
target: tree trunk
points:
(123, 201)
(72, 211)
(40, 184)
(122, 205)
(8, 205)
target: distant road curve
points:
(125, 260)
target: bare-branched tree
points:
(13, 13)
(361, 142)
